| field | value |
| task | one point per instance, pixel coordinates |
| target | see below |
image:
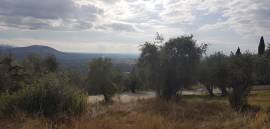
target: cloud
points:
(120, 27)
(249, 17)
(47, 14)
(127, 15)
(221, 26)
(234, 21)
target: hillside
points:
(77, 61)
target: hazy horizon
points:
(7, 46)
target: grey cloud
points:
(249, 17)
(110, 1)
(37, 8)
(246, 17)
(122, 27)
(47, 14)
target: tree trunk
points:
(107, 98)
(223, 91)
(210, 90)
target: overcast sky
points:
(121, 26)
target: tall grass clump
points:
(49, 96)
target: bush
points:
(262, 69)
(7, 104)
(240, 80)
(11, 75)
(214, 72)
(102, 78)
(49, 97)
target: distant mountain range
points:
(76, 61)
(22, 52)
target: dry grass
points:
(195, 112)
(261, 98)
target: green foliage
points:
(206, 76)
(214, 72)
(16, 73)
(173, 66)
(38, 66)
(11, 75)
(133, 81)
(240, 80)
(51, 63)
(34, 65)
(48, 96)
(179, 60)
(74, 78)
(8, 104)
(103, 78)
(262, 69)
(148, 66)
(261, 47)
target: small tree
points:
(149, 66)
(132, 81)
(261, 47)
(172, 66)
(12, 74)
(206, 76)
(238, 51)
(215, 72)
(51, 63)
(179, 64)
(35, 65)
(240, 80)
(262, 69)
(101, 76)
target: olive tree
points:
(101, 78)
(148, 66)
(179, 64)
(240, 80)
(133, 82)
(215, 72)
(171, 66)
(206, 76)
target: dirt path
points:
(129, 97)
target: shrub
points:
(49, 96)
(214, 72)
(262, 69)
(7, 104)
(133, 81)
(240, 80)
(102, 78)
(11, 75)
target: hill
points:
(77, 61)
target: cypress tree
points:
(261, 47)
(238, 52)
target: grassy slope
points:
(194, 112)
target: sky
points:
(122, 26)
